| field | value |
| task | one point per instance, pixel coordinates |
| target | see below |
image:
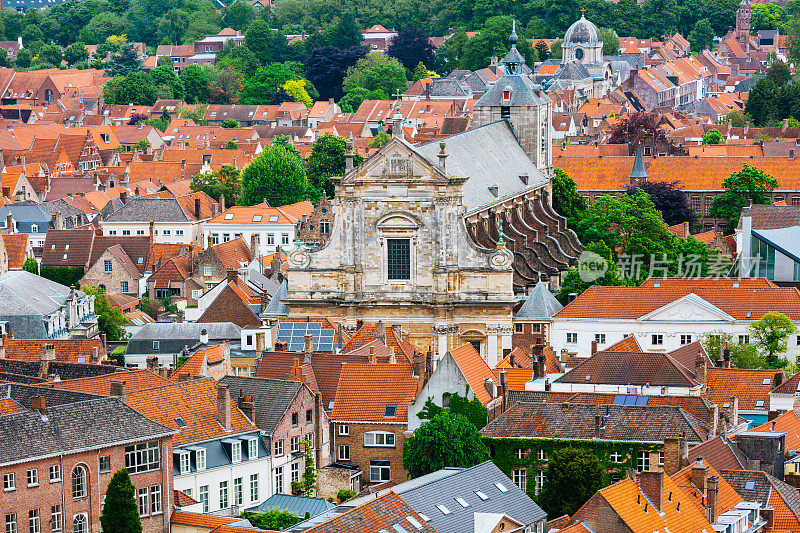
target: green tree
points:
(23, 59)
(31, 265)
(566, 199)
(110, 320)
(770, 334)
(376, 71)
(229, 123)
(779, 72)
(223, 182)
(231, 145)
(420, 72)
(793, 40)
(573, 476)
(75, 53)
(307, 486)
(118, 355)
(102, 26)
(167, 82)
(581, 277)
(273, 519)
(125, 62)
(749, 185)
(239, 15)
(225, 87)
(354, 98)
(240, 58)
(712, 136)
(120, 513)
(261, 87)
(610, 42)
(762, 102)
(52, 54)
(448, 439)
(379, 140)
(196, 81)
(136, 88)
(555, 48)
(268, 45)
(275, 175)
(743, 355)
(473, 410)
(701, 36)
(327, 160)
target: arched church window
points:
(579, 53)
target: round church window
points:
(578, 54)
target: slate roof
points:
(297, 505)
(772, 216)
(91, 424)
(22, 394)
(576, 421)
(26, 294)
(275, 307)
(178, 330)
(271, 398)
(539, 305)
(489, 154)
(630, 368)
(770, 492)
(146, 209)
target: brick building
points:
(114, 271)
(215, 261)
(57, 460)
(370, 416)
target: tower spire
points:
(638, 172)
(513, 37)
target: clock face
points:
(579, 53)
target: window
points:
(253, 487)
(518, 328)
(11, 523)
(270, 238)
(34, 228)
(56, 518)
(155, 499)
(379, 471)
(143, 457)
(686, 339)
(252, 449)
(34, 525)
(398, 259)
(390, 411)
(80, 524)
(295, 468)
(238, 491)
(188, 492)
(744, 339)
(284, 238)
(295, 444)
(279, 447)
(309, 416)
(657, 339)
(324, 228)
(156, 345)
(33, 477)
(344, 429)
(79, 482)
(344, 453)
(295, 420)
(572, 338)
(178, 232)
(279, 480)
(520, 453)
(660, 458)
(123, 286)
(538, 481)
(200, 459)
(696, 204)
(8, 482)
(520, 477)
(223, 494)
(184, 463)
(203, 491)
(144, 501)
(127, 232)
(107, 266)
(600, 338)
(615, 457)
(541, 455)
(197, 293)
(643, 462)
(379, 438)
(236, 452)
(55, 473)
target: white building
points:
(768, 242)
(275, 226)
(664, 314)
(168, 220)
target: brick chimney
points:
(120, 390)
(372, 358)
(594, 347)
(233, 276)
(308, 347)
(699, 475)
(10, 223)
(676, 451)
(38, 403)
(254, 244)
(715, 425)
(712, 499)
(152, 364)
(224, 406)
(652, 485)
(700, 370)
(734, 412)
(380, 331)
(152, 230)
(47, 354)
(598, 425)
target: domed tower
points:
(582, 43)
(522, 105)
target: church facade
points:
(441, 240)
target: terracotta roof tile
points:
(193, 401)
(7, 406)
(67, 350)
(728, 497)
(628, 344)
(718, 453)
(364, 391)
(16, 246)
(788, 423)
(135, 380)
(750, 385)
(232, 253)
(516, 378)
(475, 370)
(366, 334)
(200, 520)
(181, 499)
(379, 514)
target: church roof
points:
(583, 32)
(572, 71)
(639, 170)
(522, 94)
(487, 154)
(276, 307)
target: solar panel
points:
(641, 401)
(619, 400)
(749, 485)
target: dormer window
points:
(507, 96)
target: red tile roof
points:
(232, 253)
(200, 520)
(718, 453)
(364, 391)
(67, 350)
(750, 385)
(380, 514)
(135, 380)
(788, 423)
(728, 498)
(475, 370)
(16, 246)
(7, 406)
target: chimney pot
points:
(119, 389)
(204, 336)
(38, 403)
(308, 347)
(224, 406)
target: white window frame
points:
(155, 499)
(615, 457)
(11, 523)
(295, 471)
(79, 483)
(343, 453)
(200, 459)
(520, 478)
(539, 480)
(254, 487)
(379, 439)
(144, 501)
(657, 339)
(81, 519)
(184, 463)
(236, 452)
(9, 482)
(572, 338)
(252, 449)
(279, 480)
(279, 447)
(203, 497)
(600, 338)
(344, 429)
(295, 444)
(223, 495)
(207, 271)
(55, 473)
(56, 517)
(379, 469)
(643, 461)
(686, 339)
(34, 521)
(33, 477)
(238, 491)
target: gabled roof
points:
(271, 397)
(276, 307)
(365, 390)
(146, 209)
(195, 402)
(233, 253)
(770, 492)
(378, 514)
(16, 247)
(628, 344)
(788, 423)
(630, 368)
(475, 370)
(750, 385)
(718, 453)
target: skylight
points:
(256, 218)
(273, 218)
(749, 485)
(391, 410)
(180, 422)
(760, 403)
(399, 528)
(443, 509)
(501, 487)
(82, 359)
(414, 522)
(462, 502)
(424, 517)
(766, 381)
(228, 216)
(481, 495)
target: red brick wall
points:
(47, 494)
(528, 336)
(361, 455)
